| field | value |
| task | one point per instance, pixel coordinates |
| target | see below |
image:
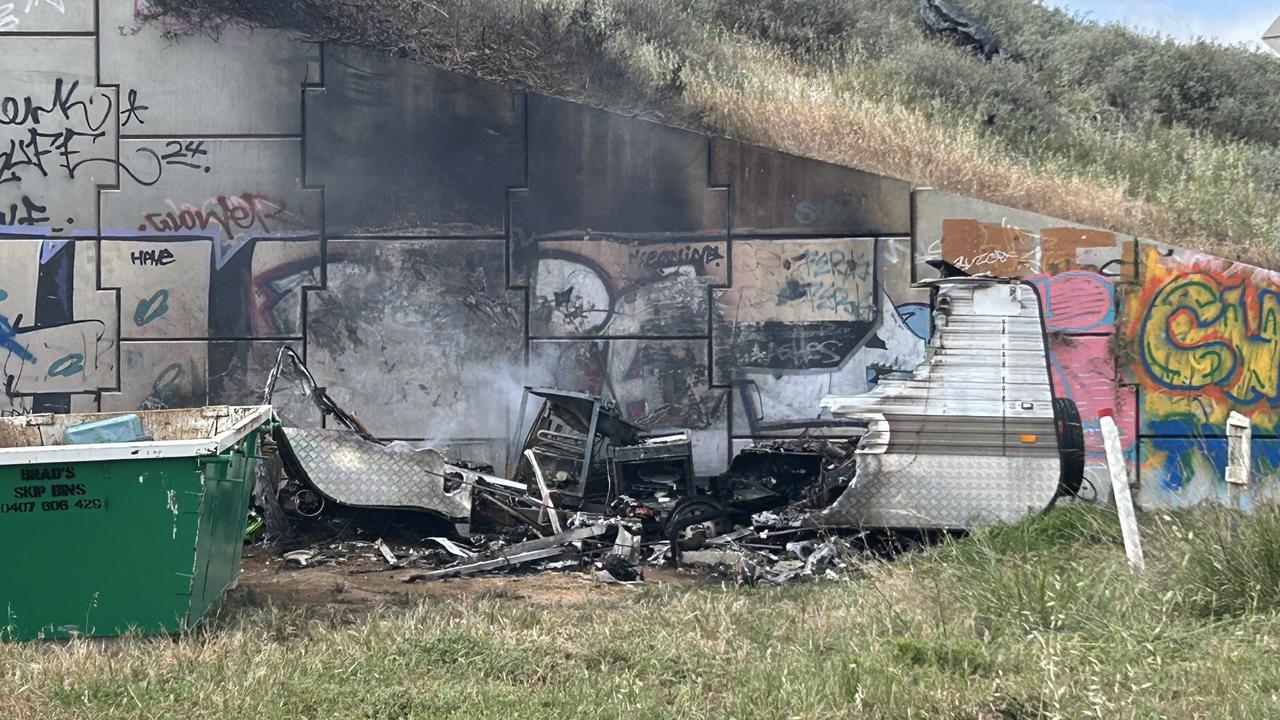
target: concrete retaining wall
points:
(171, 213)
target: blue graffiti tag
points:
(151, 309)
(67, 366)
(9, 341)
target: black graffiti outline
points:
(31, 114)
(190, 149)
(125, 167)
(134, 111)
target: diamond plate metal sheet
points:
(352, 471)
(942, 491)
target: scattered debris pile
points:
(972, 436)
(587, 490)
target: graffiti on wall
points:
(1183, 471)
(1207, 336)
(807, 318)
(797, 304)
(610, 287)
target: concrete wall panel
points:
(592, 171)
(73, 357)
(57, 137)
(419, 338)
(21, 261)
(407, 149)
(58, 334)
(232, 191)
(160, 375)
(981, 237)
(168, 300)
(245, 83)
(796, 305)
(268, 302)
(626, 287)
(779, 194)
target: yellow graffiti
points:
(1196, 334)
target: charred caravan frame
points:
(622, 460)
(973, 435)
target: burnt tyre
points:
(695, 520)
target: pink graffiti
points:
(1084, 372)
(1077, 301)
(231, 214)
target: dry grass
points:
(776, 105)
(1042, 619)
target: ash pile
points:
(583, 490)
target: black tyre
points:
(1070, 447)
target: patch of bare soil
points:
(358, 584)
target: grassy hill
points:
(1090, 122)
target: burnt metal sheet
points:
(969, 439)
(350, 470)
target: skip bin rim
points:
(145, 450)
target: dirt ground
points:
(357, 583)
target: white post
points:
(1239, 457)
(1120, 493)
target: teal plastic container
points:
(124, 428)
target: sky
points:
(1227, 21)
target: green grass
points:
(1094, 123)
(1041, 619)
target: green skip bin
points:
(106, 538)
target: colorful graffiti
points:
(1077, 301)
(1084, 371)
(1183, 471)
(1207, 336)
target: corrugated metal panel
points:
(969, 439)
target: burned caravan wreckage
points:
(973, 436)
